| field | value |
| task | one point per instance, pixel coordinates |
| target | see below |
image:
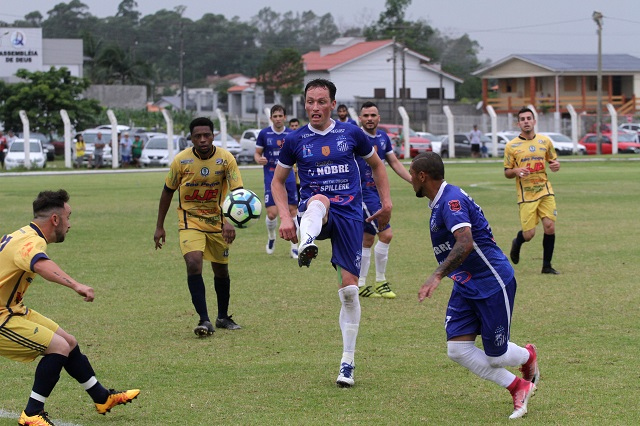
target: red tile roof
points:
(314, 62)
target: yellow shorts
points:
(531, 213)
(25, 337)
(212, 245)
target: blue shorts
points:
(292, 194)
(346, 241)
(370, 205)
(489, 317)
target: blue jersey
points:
(327, 165)
(271, 142)
(382, 145)
(486, 270)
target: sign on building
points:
(20, 48)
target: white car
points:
(248, 144)
(232, 145)
(156, 153)
(503, 139)
(563, 144)
(14, 155)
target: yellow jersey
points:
(18, 253)
(202, 184)
(532, 154)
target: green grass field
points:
(281, 367)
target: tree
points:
(42, 95)
(282, 71)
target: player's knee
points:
(456, 351)
(497, 361)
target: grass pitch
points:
(281, 367)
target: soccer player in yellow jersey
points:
(202, 175)
(26, 334)
(525, 159)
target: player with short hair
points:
(525, 159)
(268, 145)
(331, 202)
(202, 175)
(343, 115)
(26, 334)
(484, 285)
(370, 118)
(294, 124)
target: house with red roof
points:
(365, 69)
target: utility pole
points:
(403, 96)
(181, 67)
(395, 98)
(597, 17)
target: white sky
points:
(502, 27)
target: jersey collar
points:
(38, 231)
(197, 154)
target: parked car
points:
(90, 136)
(232, 145)
(416, 143)
(627, 143)
(156, 153)
(14, 155)
(503, 139)
(563, 144)
(462, 145)
(49, 149)
(248, 146)
(630, 127)
(436, 142)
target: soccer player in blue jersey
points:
(26, 334)
(270, 140)
(370, 118)
(484, 285)
(343, 115)
(330, 201)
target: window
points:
(405, 93)
(380, 93)
(435, 93)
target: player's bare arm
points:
(554, 165)
(279, 194)
(50, 271)
(457, 255)
(398, 167)
(382, 183)
(159, 236)
(258, 157)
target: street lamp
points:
(597, 17)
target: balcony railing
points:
(513, 104)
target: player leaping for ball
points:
(330, 201)
(24, 333)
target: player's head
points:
(526, 120)
(369, 117)
(319, 101)
(425, 168)
(343, 112)
(51, 211)
(278, 116)
(294, 124)
(201, 129)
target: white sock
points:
(381, 258)
(475, 360)
(311, 223)
(349, 321)
(272, 226)
(294, 246)
(364, 266)
(513, 357)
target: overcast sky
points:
(501, 27)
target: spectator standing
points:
(3, 146)
(136, 150)
(98, 151)
(81, 147)
(475, 135)
(126, 146)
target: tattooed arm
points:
(457, 255)
(50, 271)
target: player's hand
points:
(159, 237)
(288, 230)
(428, 288)
(554, 165)
(523, 172)
(383, 216)
(86, 292)
(262, 161)
(228, 232)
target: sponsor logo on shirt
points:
(454, 205)
(204, 171)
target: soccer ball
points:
(241, 207)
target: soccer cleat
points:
(40, 419)
(345, 378)
(306, 253)
(368, 291)
(204, 329)
(270, 246)
(515, 251)
(549, 270)
(383, 289)
(227, 323)
(294, 253)
(529, 369)
(117, 398)
(521, 395)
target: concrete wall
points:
(117, 96)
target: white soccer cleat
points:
(293, 253)
(270, 247)
(345, 378)
(306, 253)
